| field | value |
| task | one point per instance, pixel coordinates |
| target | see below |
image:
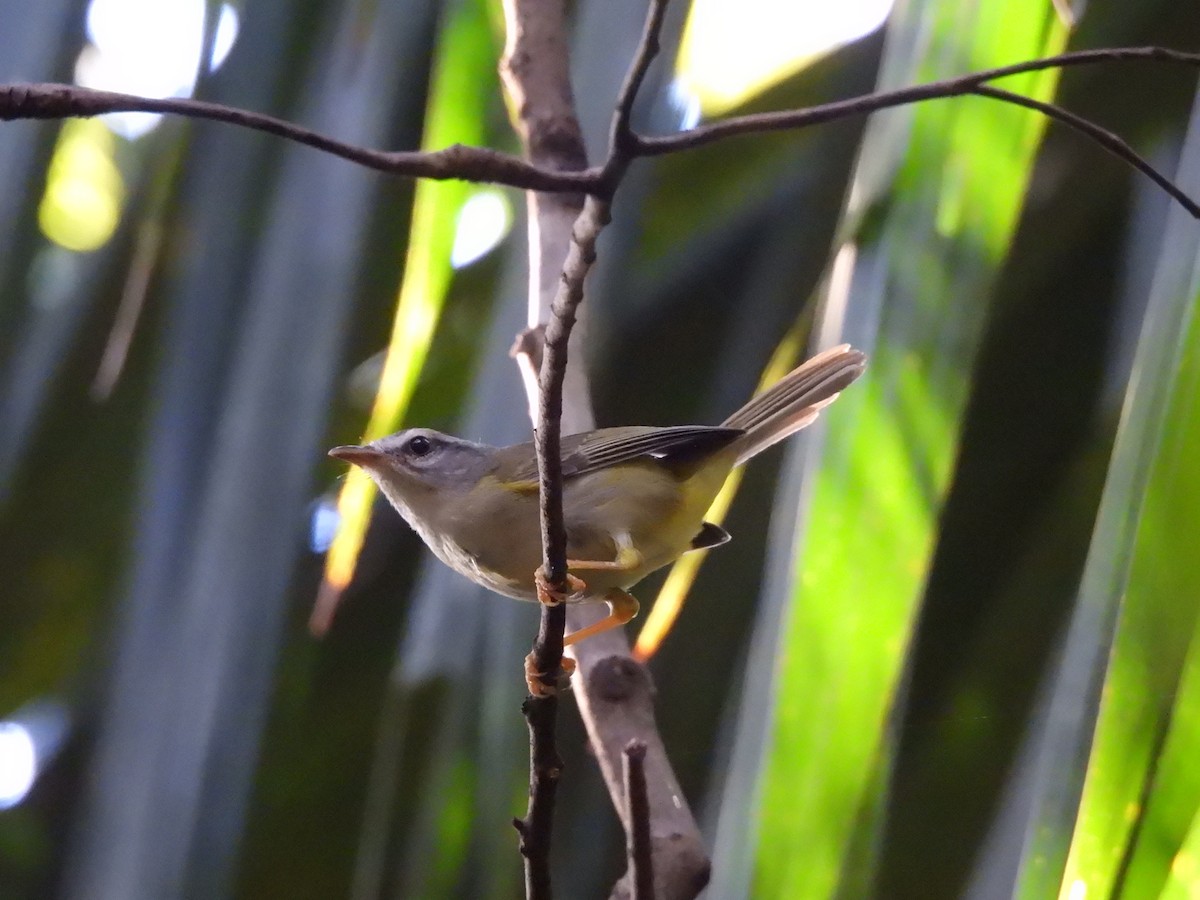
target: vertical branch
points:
(545, 768)
(536, 74)
(579, 260)
(614, 693)
(541, 712)
(637, 823)
(535, 71)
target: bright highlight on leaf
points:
(919, 284)
(733, 49)
(1183, 880)
(1142, 794)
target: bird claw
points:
(548, 595)
(536, 681)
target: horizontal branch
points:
(787, 120)
(476, 164)
(481, 164)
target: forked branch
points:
(480, 164)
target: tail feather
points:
(795, 400)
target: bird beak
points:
(367, 457)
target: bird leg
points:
(622, 606)
(628, 559)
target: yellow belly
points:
(498, 544)
(661, 514)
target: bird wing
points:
(592, 450)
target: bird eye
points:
(419, 445)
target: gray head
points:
(417, 468)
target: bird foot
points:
(548, 595)
(537, 681)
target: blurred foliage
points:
(886, 686)
(934, 198)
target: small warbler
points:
(634, 497)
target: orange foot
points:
(548, 595)
(536, 680)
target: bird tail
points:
(794, 401)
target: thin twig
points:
(614, 693)
(541, 713)
(477, 164)
(615, 699)
(545, 770)
(786, 120)
(637, 823)
(535, 70)
(622, 142)
(582, 254)
(1113, 143)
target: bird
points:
(634, 497)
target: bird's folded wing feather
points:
(592, 450)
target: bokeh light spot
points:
(81, 205)
(150, 48)
(483, 221)
(18, 763)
